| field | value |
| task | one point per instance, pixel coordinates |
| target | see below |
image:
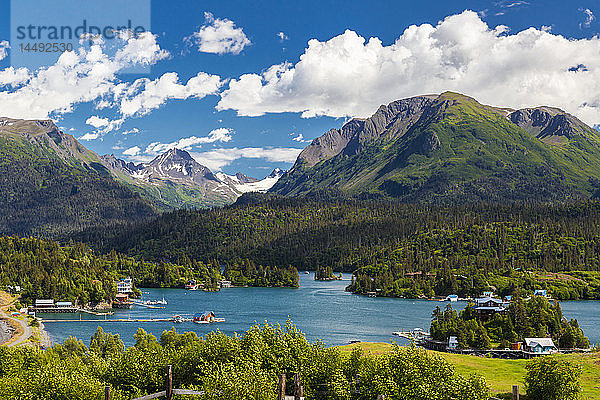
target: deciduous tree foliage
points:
(228, 368)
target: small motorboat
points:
(191, 285)
(155, 302)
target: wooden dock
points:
(414, 335)
(116, 320)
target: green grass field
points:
(500, 374)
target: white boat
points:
(156, 302)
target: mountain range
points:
(51, 184)
(449, 148)
(444, 148)
(176, 180)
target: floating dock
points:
(117, 320)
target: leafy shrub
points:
(549, 378)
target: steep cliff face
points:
(549, 124)
(391, 121)
(451, 148)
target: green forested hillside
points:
(44, 269)
(45, 192)
(456, 151)
(401, 249)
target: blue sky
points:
(251, 127)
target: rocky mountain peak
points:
(276, 173)
(549, 124)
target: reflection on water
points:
(322, 310)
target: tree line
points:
(523, 318)
(405, 250)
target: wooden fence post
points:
(169, 383)
(106, 392)
(298, 393)
(515, 392)
(281, 387)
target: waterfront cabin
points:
(452, 343)
(541, 346)
(48, 306)
(125, 285)
(225, 284)
(540, 292)
(452, 298)
(191, 285)
(64, 304)
(488, 294)
(122, 301)
(44, 304)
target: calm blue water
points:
(322, 310)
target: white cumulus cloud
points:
(218, 158)
(216, 135)
(14, 77)
(298, 137)
(132, 151)
(96, 121)
(219, 36)
(145, 95)
(84, 75)
(89, 136)
(4, 45)
(348, 75)
(589, 18)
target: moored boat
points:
(191, 285)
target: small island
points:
(326, 274)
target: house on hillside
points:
(125, 285)
(44, 304)
(541, 346)
(452, 343)
(486, 307)
(225, 284)
(541, 292)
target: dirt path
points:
(27, 332)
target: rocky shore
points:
(6, 331)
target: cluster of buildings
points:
(488, 305)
